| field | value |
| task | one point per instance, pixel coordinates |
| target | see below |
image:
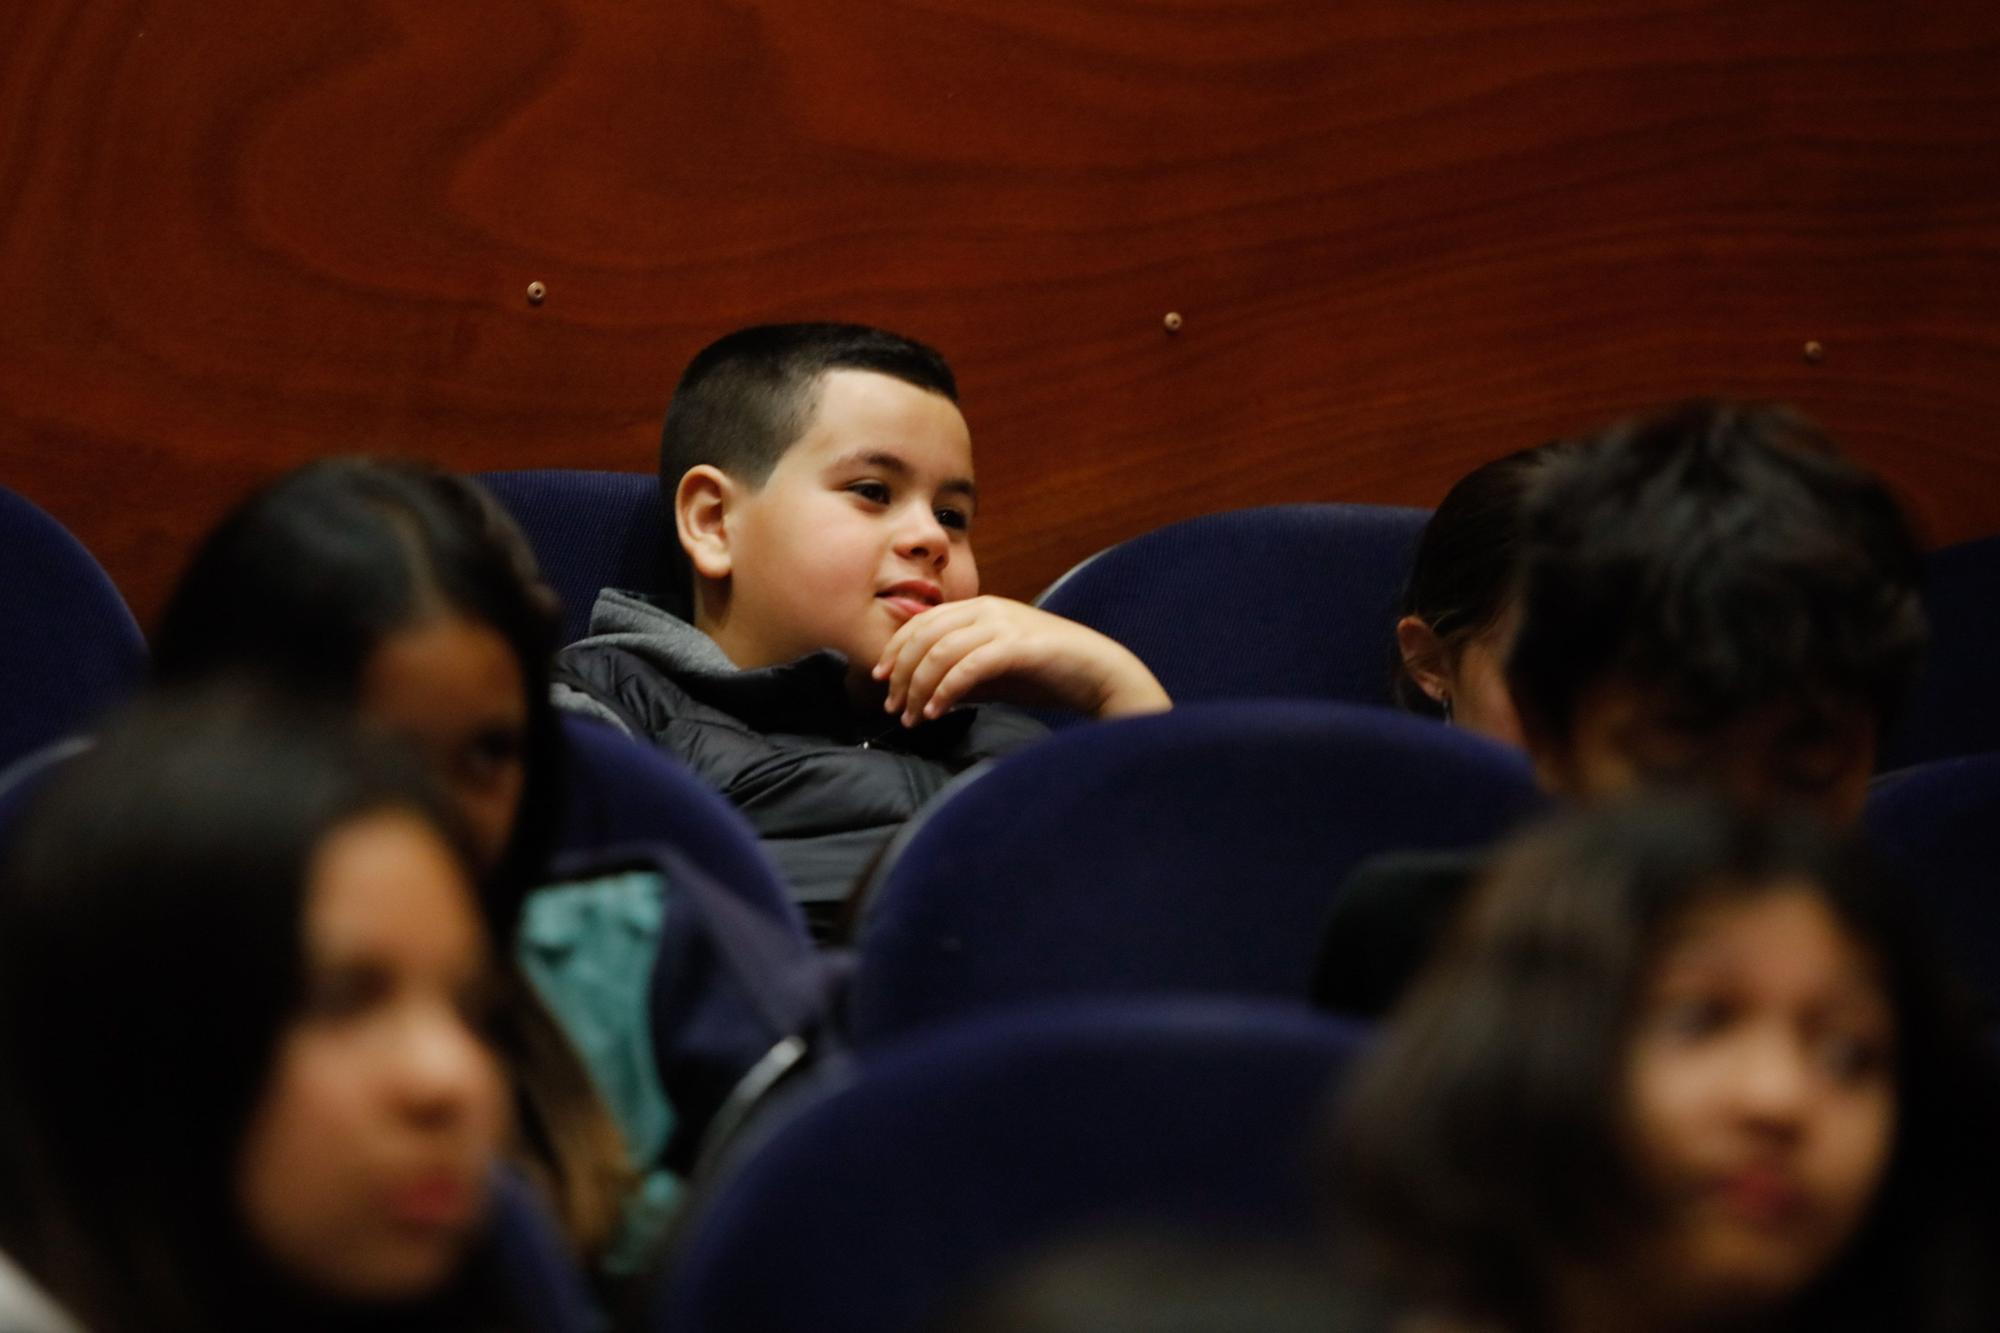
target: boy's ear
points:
(1423, 657)
(701, 518)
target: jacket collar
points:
(805, 696)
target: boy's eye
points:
(873, 491)
(956, 519)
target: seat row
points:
(1287, 601)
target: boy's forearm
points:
(1132, 689)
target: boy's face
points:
(1625, 735)
(865, 522)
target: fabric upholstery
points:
(1196, 850)
(1954, 708)
(735, 973)
(1936, 828)
(620, 791)
(539, 1281)
(1287, 601)
(932, 1164)
(589, 530)
(69, 647)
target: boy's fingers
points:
(901, 656)
(944, 654)
(913, 642)
(981, 664)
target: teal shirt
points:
(588, 948)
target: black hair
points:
(1464, 575)
(749, 396)
(299, 585)
(295, 590)
(1723, 553)
(1480, 1149)
(151, 956)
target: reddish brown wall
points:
(1404, 237)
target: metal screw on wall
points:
(1172, 323)
(537, 293)
(1815, 351)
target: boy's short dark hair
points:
(1725, 554)
(748, 396)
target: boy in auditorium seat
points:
(820, 640)
(1710, 597)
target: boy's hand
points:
(990, 648)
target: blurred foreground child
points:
(246, 1010)
(1680, 1066)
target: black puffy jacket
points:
(825, 786)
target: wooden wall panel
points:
(1403, 238)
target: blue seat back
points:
(1936, 828)
(69, 648)
(589, 530)
(1196, 850)
(933, 1163)
(1287, 601)
(621, 791)
(22, 781)
(1954, 708)
(537, 1276)
(738, 995)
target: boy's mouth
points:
(911, 597)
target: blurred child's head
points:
(243, 982)
(820, 477)
(1460, 605)
(1711, 596)
(406, 591)
(1683, 1055)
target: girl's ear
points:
(1423, 657)
(701, 518)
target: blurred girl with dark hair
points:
(1459, 606)
(1677, 1067)
(247, 1036)
(403, 591)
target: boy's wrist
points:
(1133, 690)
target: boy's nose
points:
(925, 540)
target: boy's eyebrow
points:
(889, 462)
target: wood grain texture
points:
(1404, 238)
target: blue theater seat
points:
(618, 791)
(537, 1276)
(69, 648)
(589, 530)
(871, 1206)
(1286, 601)
(1954, 708)
(1936, 828)
(738, 998)
(1196, 850)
